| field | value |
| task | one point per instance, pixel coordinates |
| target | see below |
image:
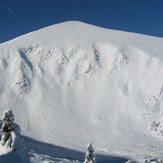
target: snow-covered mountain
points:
(73, 83)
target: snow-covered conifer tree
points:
(90, 156)
(10, 132)
(7, 128)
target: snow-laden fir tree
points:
(10, 132)
(7, 128)
(90, 156)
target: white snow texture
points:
(73, 83)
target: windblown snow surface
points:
(73, 83)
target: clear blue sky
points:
(18, 17)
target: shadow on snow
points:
(53, 153)
(14, 157)
(65, 153)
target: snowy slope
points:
(73, 83)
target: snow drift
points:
(73, 83)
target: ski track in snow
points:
(72, 83)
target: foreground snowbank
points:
(7, 155)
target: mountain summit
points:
(73, 83)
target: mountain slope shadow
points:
(60, 152)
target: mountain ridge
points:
(77, 24)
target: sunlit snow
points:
(72, 83)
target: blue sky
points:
(18, 17)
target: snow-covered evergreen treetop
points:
(8, 117)
(90, 156)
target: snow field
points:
(72, 83)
